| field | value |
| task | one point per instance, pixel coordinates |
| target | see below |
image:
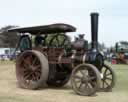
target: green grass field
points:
(10, 92)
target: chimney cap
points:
(94, 13)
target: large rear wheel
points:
(31, 69)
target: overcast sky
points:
(113, 19)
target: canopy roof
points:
(45, 29)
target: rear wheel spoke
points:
(27, 76)
(34, 61)
(37, 67)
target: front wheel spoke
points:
(89, 86)
(77, 77)
(105, 71)
(106, 83)
(81, 84)
(108, 74)
(86, 86)
(108, 78)
(81, 71)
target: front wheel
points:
(85, 79)
(107, 78)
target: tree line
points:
(8, 39)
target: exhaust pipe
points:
(94, 30)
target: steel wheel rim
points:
(89, 83)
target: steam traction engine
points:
(54, 60)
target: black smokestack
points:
(94, 30)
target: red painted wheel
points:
(31, 69)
